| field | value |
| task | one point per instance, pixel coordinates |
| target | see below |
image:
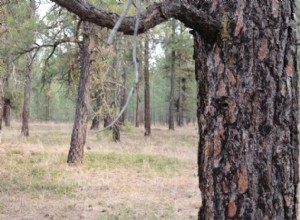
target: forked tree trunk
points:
(248, 112)
(147, 89)
(81, 116)
(171, 101)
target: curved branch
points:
(155, 14)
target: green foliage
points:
(55, 82)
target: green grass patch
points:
(57, 188)
(127, 127)
(160, 164)
(104, 135)
(36, 183)
(16, 152)
(36, 172)
(127, 212)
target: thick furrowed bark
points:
(247, 114)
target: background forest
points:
(52, 37)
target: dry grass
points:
(139, 178)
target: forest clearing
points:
(138, 178)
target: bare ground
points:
(139, 178)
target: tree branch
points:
(155, 14)
(37, 46)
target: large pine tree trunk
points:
(248, 112)
(171, 101)
(81, 116)
(147, 88)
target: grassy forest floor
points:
(139, 178)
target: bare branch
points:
(118, 24)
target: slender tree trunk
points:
(26, 102)
(171, 102)
(48, 102)
(107, 120)
(1, 106)
(7, 101)
(48, 108)
(111, 100)
(248, 112)
(96, 118)
(181, 102)
(95, 122)
(107, 108)
(6, 112)
(81, 116)
(116, 133)
(27, 87)
(147, 89)
(138, 106)
(124, 94)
